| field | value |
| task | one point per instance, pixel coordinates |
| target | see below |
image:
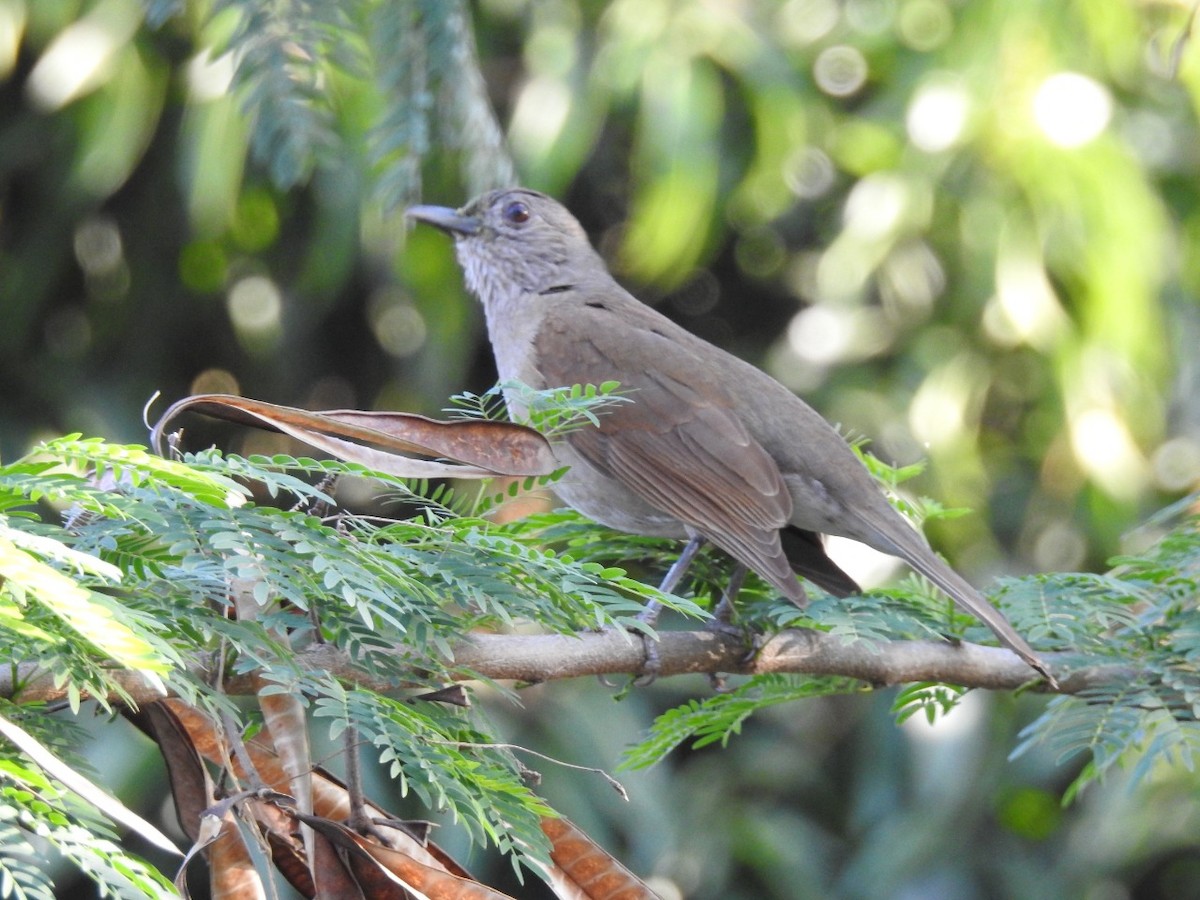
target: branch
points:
(800, 651)
(553, 657)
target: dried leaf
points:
(330, 797)
(231, 867)
(190, 783)
(382, 871)
(585, 870)
(466, 448)
(348, 864)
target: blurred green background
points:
(966, 230)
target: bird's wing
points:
(679, 444)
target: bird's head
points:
(514, 242)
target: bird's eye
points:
(517, 213)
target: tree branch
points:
(553, 657)
(800, 651)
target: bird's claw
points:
(651, 666)
(756, 641)
(725, 628)
(716, 680)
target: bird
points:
(709, 448)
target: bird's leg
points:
(722, 621)
(671, 580)
(723, 612)
(650, 614)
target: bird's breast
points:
(512, 326)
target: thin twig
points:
(616, 785)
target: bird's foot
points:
(726, 628)
(722, 619)
(717, 681)
(756, 641)
(1042, 669)
(651, 666)
(723, 613)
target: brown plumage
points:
(710, 446)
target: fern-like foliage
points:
(306, 72)
(420, 744)
(112, 555)
(555, 412)
(286, 55)
(928, 698)
(35, 806)
(22, 872)
(719, 718)
(1142, 615)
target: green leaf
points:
(27, 577)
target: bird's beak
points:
(449, 220)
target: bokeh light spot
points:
(331, 392)
(825, 334)
(806, 21)
(1176, 464)
(215, 381)
(209, 78)
(1106, 451)
(1059, 547)
(870, 16)
(539, 116)
(910, 279)
(925, 25)
(760, 252)
(699, 295)
(945, 406)
(840, 71)
(12, 31)
(1154, 139)
(842, 272)
(97, 245)
(1071, 109)
(80, 58)
(255, 307)
(400, 329)
(876, 205)
(937, 115)
(809, 173)
(1032, 813)
(1025, 308)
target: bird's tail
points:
(805, 552)
(912, 547)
